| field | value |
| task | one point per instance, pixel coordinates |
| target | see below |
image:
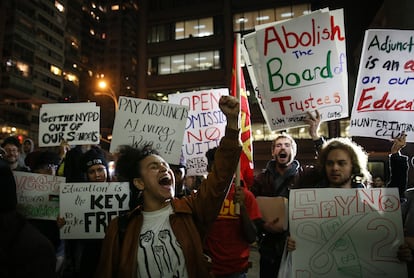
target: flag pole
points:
(237, 74)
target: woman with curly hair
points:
(164, 235)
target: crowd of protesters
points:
(176, 227)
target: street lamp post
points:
(107, 91)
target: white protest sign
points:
(300, 66)
(384, 99)
(77, 123)
(38, 195)
(141, 122)
(204, 128)
(89, 207)
(346, 232)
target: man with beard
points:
(279, 176)
(343, 164)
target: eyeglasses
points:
(11, 150)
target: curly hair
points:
(359, 157)
(128, 168)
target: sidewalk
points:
(255, 261)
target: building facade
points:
(58, 50)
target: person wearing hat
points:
(28, 147)
(94, 165)
(25, 252)
(84, 254)
(12, 146)
(45, 162)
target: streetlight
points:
(107, 92)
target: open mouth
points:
(166, 180)
(282, 155)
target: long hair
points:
(128, 168)
(359, 158)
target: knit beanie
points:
(8, 197)
(92, 157)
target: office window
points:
(178, 64)
(164, 65)
(184, 62)
(181, 30)
(248, 20)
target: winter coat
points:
(192, 216)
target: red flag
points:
(246, 157)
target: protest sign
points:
(77, 123)
(204, 128)
(141, 122)
(38, 195)
(272, 209)
(300, 65)
(89, 207)
(383, 100)
(346, 232)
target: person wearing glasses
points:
(12, 147)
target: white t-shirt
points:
(159, 253)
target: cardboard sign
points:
(141, 122)
(204, 128)
(346, 232)
(38, 195)
(300, 65)
(273, 208)
(77, 123)
(383, 104)
(89, 207)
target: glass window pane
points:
(265, 16)
(179, 31)
(192, 60)
(178, 65)
(216, 64)
(164, 65)
(284, 13)
(301, 9)
(161, 33)
(249, 20)
(238, 22)
(189, 28)
(151, 35)
(206, 60)
(205, 27)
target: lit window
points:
(72, 78)
(248, 20)
(55, 70)
(262, 18)
(59, 6)
(185, 62)
(115, 7)
(23, 68)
